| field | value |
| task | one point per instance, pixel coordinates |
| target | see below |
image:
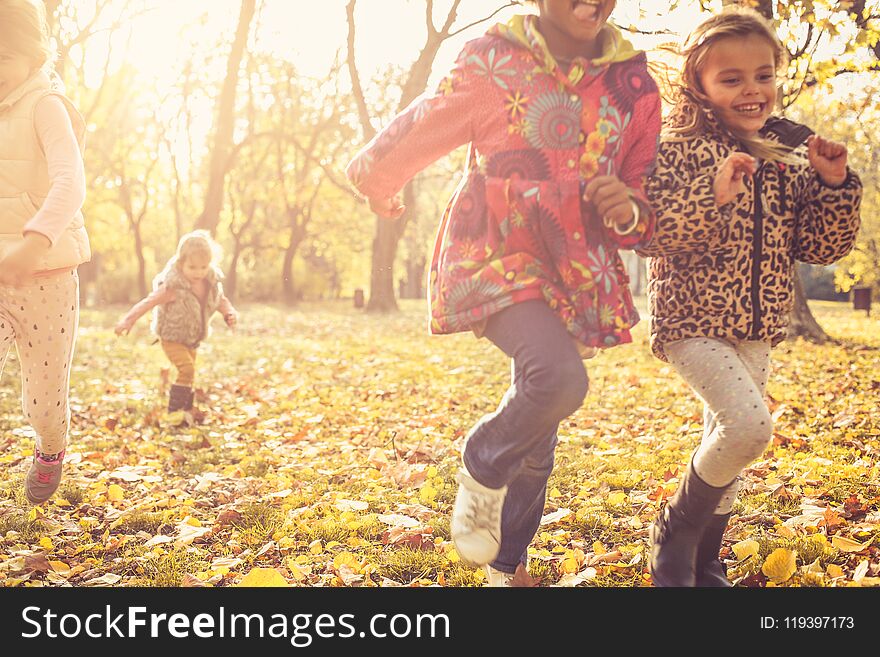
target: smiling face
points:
(739, 78)
(15, 68)
(571, 26)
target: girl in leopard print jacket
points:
(739, 196)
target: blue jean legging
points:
(514, 445)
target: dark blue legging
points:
(514, 445)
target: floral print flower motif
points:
(602, 267)
(446, 86)
(522, 163)
(589, 166)
(627, 82)
(595, 143)
(606, 315)
(494, 69)
(604, 128)
(516, 104)
(553, 121)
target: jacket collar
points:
(39, 81)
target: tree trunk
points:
(388, 233)
(210, 216)
(142, 263)
(297, 235)
(801, 322)
(230, 285)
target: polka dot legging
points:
(730, 378)
(41, 318)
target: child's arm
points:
(639, 159)
(230, 314)
(689, 218)
(157, 297)
(828, 215)
(67, 183)
(432, 126)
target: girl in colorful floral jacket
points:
(562, 121)
(740, 196)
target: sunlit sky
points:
(310, 32)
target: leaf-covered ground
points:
(326, 443)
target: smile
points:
(586, 10)
(750, 108)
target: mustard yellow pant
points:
(184, 360)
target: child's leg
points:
(184, 360)
(514, 446)
(742, 427)
(7, 332)
(45, 337)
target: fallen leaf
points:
(263, 577)
(780, 565)
(747, 548)
(847, 545)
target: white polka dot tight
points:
(41, 318)
(730, 378)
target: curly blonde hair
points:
(690, 114)
(23, 29)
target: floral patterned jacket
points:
(517, 228)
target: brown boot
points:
(710, 571)
(678, 530)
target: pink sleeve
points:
(224, 306)
(67, 183)
(157, 297)
(642, 138)
(433, 125)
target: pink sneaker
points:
(43, 478)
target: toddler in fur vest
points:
(185, 295)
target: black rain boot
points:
(710, 571)
(180, 398)
(678, 529)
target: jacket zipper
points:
(757, 251)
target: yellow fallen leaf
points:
(780, 565)
(315, 547)
(598, 548)
(555, 493)
(834, 570)
(46, 543)
(452, 555)
(194, 522)
(427, 493)
(784, 532)
(346, 559)
(60, 501)
(747, 548)
(615, 499)
(847, 545)
(115, 493)
(263, 577)
(821, 539)
(59, 567)
(570, 566)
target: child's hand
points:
(730, 179)
(20, 262)
(611, 198)
(123, 327)
(231, 318)
(828, 158)
(390, 208)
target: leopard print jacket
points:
(727, 272)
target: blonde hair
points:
(690, 115)
(197, 242)
(23, 29)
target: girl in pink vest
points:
(562, 120)
(42, 237)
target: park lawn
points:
(326, 443)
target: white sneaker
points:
(497, 578)
(476, 520)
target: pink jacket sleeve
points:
(157, 297)
(641, 142)
(431, 126)
(67, 183)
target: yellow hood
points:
(523, 30)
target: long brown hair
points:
(23, 30)
(691, 113)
